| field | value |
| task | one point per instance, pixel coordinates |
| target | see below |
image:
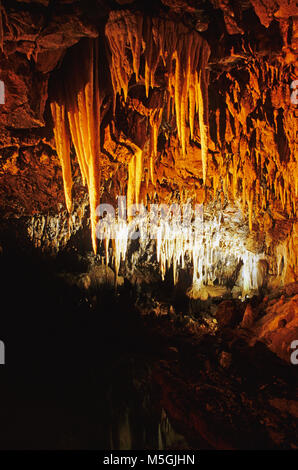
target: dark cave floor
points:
(87, 371)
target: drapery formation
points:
(76, 111)
(63, 148)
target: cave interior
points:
(148, 230)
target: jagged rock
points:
(25, 94)
(229, 313)
(285, 406)
(246, 119)
(291, 289)
(46, 61)
(84, 281)
(254, 243)
(64, 31)
(231, 17)
(161, 309)
(236, 292)
(279, 326)
(248, 317)
(101, 274)
(206, 292)
(225, 360)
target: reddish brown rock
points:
(252, 125)
(278, 328)
(229, 9)
(292, 289)
(225, 360)
(25, 94)
(249, 317)
(228, 313)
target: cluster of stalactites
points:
(77, 112)
(208, 245)
(184, 55)
(259, 183)
(76, 109)
(259, 160)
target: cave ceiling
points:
(180, 100)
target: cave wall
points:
(252, 144)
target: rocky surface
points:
(219, 360)
(251, 69)
(218, 382)
(278, 326)
(252, 154)
(241, 395)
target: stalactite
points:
(155, 121)
(209, 247)
(183, 53)
(82, 114)
(203, 108)
(63, 148)
(93, 131)
(235, 177)
(122, 30)
(250, 209)
(78, 144)
(241, 171)
(134, 181)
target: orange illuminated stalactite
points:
(92, 108)
(77, 142)
(139, 174)
(63, 148)
(155, 121)
(134, 181)
(203, 107)
(177, 88)
(215, 184)
(83, 102)
(183, 53)
(122, 30)
(235, 176)
(134, 27)
(250, 208)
